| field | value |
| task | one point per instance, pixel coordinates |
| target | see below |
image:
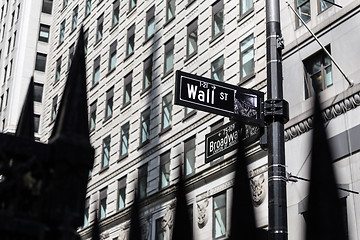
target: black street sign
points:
(226, 138)
(241, 104)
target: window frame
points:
(87, 7)
(320, 10)
(148, 64)
(96, 71)
(215, 209)
(62, 31)
(217, 7)
(86, 212)
(36, 123)
(92, 117)
(168, 6)
(215, 70)
(71, 55)
(40, 62)
(106, 146)
(47, 6)
(54, 108)
(158, 229)
(164, 169)
(121, 189)
(115, 13)
(150, 22)
(166, 105)
(297, 7)
(127, 82)
(248, 9)
(38, 92)
(99, 28)
(74, 21)
(132, 6)
(242, 53)
(124, 131)
(112, 56)
(58, 69)
(169, 47)
(191, 28)
(102, 199)
(145, 119)
(189, 145)
(130, 40)
(109, 103)
(142, 181)
(42, 29)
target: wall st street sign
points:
(241, 104)
(226, 138)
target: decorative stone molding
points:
(168, 221)
(328, 114)
(258, 190)
(202, 212)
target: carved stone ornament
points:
(258, 190)
(124, 232)
(167, 222)
(202, 212)
(146, 229)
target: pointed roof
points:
(25, 127)
(72, 116)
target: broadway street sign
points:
(226, 138)
(241, 104)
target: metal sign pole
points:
(276, 114)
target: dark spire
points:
(25, 127)
(182, 224)
(242, 212)
(72, 116)
(325, 218)
(135, 227)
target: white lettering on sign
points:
(203, 96)
(227, 141)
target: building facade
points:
(141, 139)
(25, 28)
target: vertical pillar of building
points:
(276, 114)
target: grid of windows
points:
(127, 89)
(145, 126)
(121, 193)
(164, 173)
(166, 111)
(247, 63)
(102, 203)
(217, 18)
(219, 215)
(124, 140)
(105, 152)
(169, 56)
(192, 38)
(44, 33)
(217, 69)
(150, 22)
(147, 79)
(109, 103)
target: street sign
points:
(226, 138)
(241, 104)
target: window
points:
(142, 181)
(164, 173)
(14, 41)
(9, 46)
(189, 156)
(54, 108)
(36, 123)
(38, 92)
(318, 73)
(102, 208)
(92, 116)
(96, 74)
(159, 231)
(75, 18)
(86, 212)
(12, 18)
(247, 57)
(170, 10)
(217, 69)
(65, 3)
(99, 30)
(71, 55)
(5, 72)
(124, 141)
(47, 6)
(303, 9)
(166, 111)
(109, 103)
(147, 80)
(325, 4)
(7, 97)
(150, 22)
(116, 12)
(246, 6)
(127, 89)
(121, 193)
(132, 4)
(105, 152)
(169, 56)
(44, 33)
(86, 40)
(192, 38)
(219, 215)
(18, 11)
(217, 18)
(145, 126)
(58, 69)
(1, 102)
(62, 31)
(87, 7)
(112, 56)
(3, 31)
(40, 64)
(130, 40)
